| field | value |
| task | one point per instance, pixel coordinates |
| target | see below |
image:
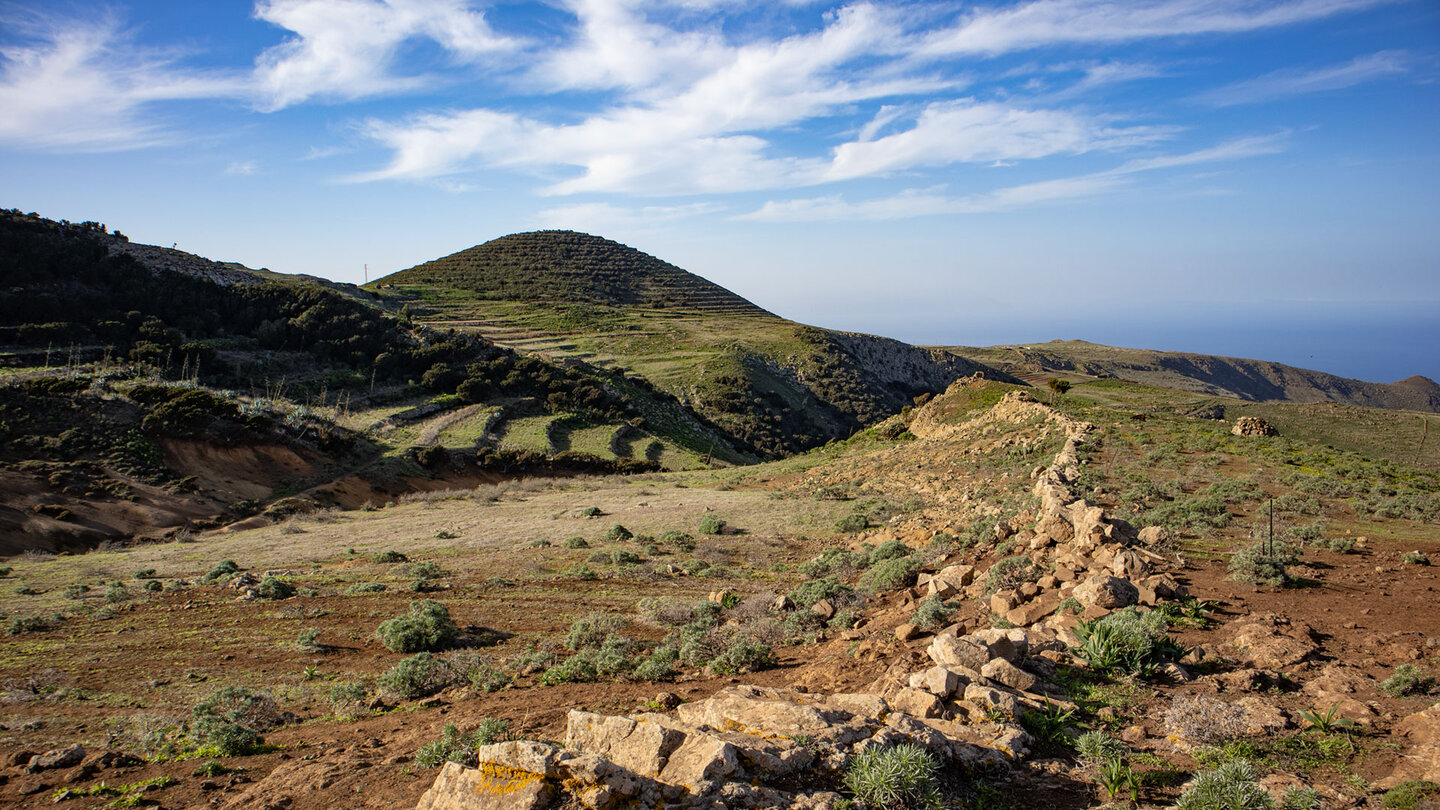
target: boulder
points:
(941, 681)
(1005, 673)
(1154, 535)
(917, 703)
(990, 699)
(642, 747)
(59, 758)
(1422, 760)
(963, 652)
(1107, 592)
(489, 787)
(1269, 641)
(699, 762)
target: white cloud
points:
(913, 203)
(242, 168)
(86, 86)
(965, 131)
(607, 218)
(990, 31)
(346, 49)
(1290, 82)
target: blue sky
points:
(1229, 176)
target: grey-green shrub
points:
(1097, 748)
(890, 575)
(618, 534)
(427, 626)
(711, 524)
(932, 614)
(1232, 786)
(116, 592)
(1407, 679)
(1264, 563)
(852, 523)
(272, 587)
(232, 719)
(903, 776)
(366, 587)
(576, 542)
(391, 556)
(459, 747)
(418, 676)
(223, 570)
(1010, 573)
(1127, 641)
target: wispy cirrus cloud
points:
(931, 202)
(346, 49)
(88, 87)
(1293, 82)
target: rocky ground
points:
(1289, 678)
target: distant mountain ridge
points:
(572, 267)
(1254, 380)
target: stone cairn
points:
(751, 746)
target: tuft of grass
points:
(1232, 786)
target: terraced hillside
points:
(776, 386)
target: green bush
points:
(391, 556)
(418, 676)
(223, 570)
(622, 557)
(904, 776)
(1010, 573)
(932, 614)
(426, 570)
(459, 747)
(153, 585)
(743, 654)
(308, 640)
(348, 698)
(659, 664)
(890, 575)
(581, 572)
(20, 625)
(1407, 680)
(617, 534)
(834, 561)
(889, 550)
(427, 626)
(144, 573)
(808, 593)
(576, 542)
(366, 587)
(1409, 795)
(115, 592)
(710, 524)
(591, 631)
(1127, 641)
(232, 719)
(680, 540)
(75, 590)
(275, 588)
(852, 523)
(1264, 563)
(1415, 558)
(1232, 786)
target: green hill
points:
(777, 387)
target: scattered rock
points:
(1107, 592)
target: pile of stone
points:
(1253, 426)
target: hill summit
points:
(571, 267)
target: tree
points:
(1059, 387)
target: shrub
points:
(1407, 680)
(223, 570)
(890, 575)
(308, 640)
(1010, 573)
(418, 676)
(576, 542)
(1415, 558)
(1096, 748)
(680, 540)
(144, 573)
(1301, 799)
(932, 614)
(1264, 563)
(426, 570)
(591, 631)
(459, 747)
(808, 593)
(365, 587)
(852, 523)
(581, 572)
(622, 557)
(348, 698)
(903, 776)
(232, 718)
(275, 588)
(710, 524)
(888, 550)
(390, 556)
(1232, 786)
(1199, 719)
(617, 534)
(834, 561)
(659, 664)
(743, 654)
(20, 625)
(1409, 795)
(1127, 641)
(153, 585)
(75, 590)
(427, 626)
(115, 592)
